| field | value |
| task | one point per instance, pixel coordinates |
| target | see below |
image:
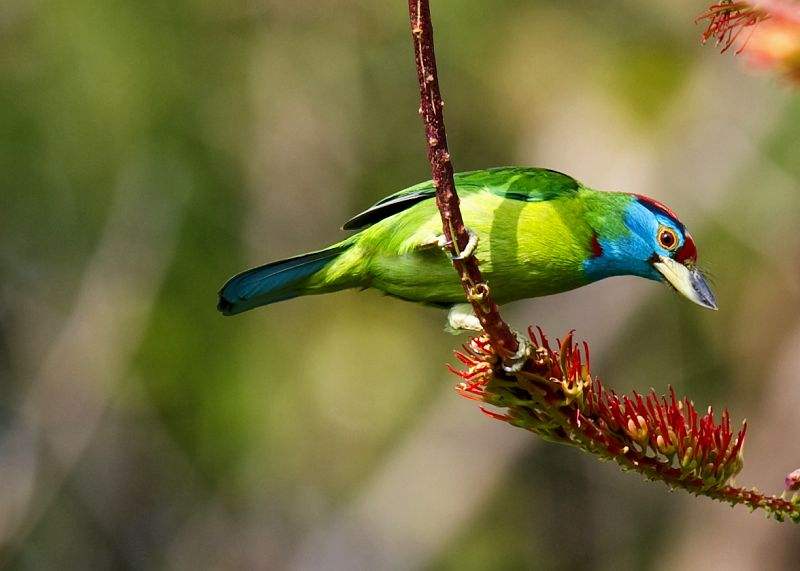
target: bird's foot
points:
(461, 318)
(443, 243)
(515, 362)
(469, 249)
(436, 241)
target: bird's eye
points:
(667, 238)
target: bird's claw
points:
(469, 249)
(515, 363)
(461, 318)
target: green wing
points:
(515, 183)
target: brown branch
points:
(476, 289)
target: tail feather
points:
(273, 282)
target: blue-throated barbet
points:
(538, 232)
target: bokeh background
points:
(149, 149)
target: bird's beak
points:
(689, 281)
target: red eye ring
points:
(667, 238)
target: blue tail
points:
(273, 282)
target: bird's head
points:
(649, 240)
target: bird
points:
(535, 232)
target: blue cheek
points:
(628, 256)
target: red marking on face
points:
(687, 252)
(595, 247)
(658, 206)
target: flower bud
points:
(793, 481)
(637, 429)
(663, 447)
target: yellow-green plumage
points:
(526, 249)
(536, 228)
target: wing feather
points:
(515, 183)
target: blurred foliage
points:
(224, 442)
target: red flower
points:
(661, 437)
(666, 431)
(773, 37)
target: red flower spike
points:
(464, 359)
(495, 415)
(532, 337)
(543, 337)
(792, 481)
(662, 437)
(656, 426)
(773, 32)
(727, 20)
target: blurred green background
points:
(150, 149)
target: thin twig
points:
(476, 289)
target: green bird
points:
(535, 231)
